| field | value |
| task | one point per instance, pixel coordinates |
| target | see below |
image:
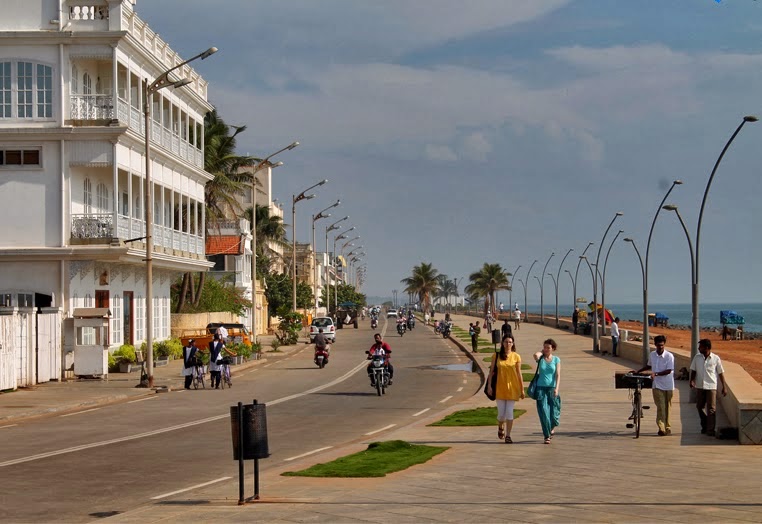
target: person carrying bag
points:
(505, 386)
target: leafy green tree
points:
(423, 282)
(270, 229)
(486, 282)
(346, 293)
(216, 296)
(279, 294)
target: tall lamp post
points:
(646, 345)
(315, 218)
(557, 281)
(542, 294)
(596, 335)
(332, 227)
(149, 89)
(510, 291)
(342, 236)
(526, 283)
(592, 274)
(262, 163)
(343, 275)
(576, 273)
(603, 279)
(294, 199)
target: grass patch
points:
(526, 366)
(527, 377)
(379, 459)
(474, 417)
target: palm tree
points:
(486, 282)
(448, 289)
(423, 282)
(270, 229)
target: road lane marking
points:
(191, 488)
(460, 389)
(421, 412)
(215, 418)
(307, 454)
(266, 366)
(8, 426)
(79, 412)
(465, 381)
(141, 400)
(380, 430)
(445, 399)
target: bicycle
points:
(199, 374)
(635, 383)
(225, 373)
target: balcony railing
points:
(92, 107)
(92, 226)
(165, 237)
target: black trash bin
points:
(254, 432)
(496, 336)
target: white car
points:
(329, 329)
(391, 314)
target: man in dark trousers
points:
(215, 355)
(475, 337)
(189, 361)
(575, 318)
(506, 329)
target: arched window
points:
(74, 80)
(138, 213)
(88, 198)
(157, 215)
(101, 194)
(87, 84)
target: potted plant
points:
(125, 358)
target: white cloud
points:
(439, 153)
(476, 146)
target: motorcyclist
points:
(321, 342)
(382, 348)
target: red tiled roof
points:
(224, 245)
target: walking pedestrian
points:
(426, 318)
(509, 387)
(706, 368)
(517, 317)
(475, 337)
(189, 361)
(614, 337)
(215, 356)
(506, 329)
(575, 318)
(662, 365)
(548, 383)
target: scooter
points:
(401, 328)
(373, 323)
(321, 356)
(446, 330)
(379, 377)
(410, 322)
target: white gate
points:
(48, 345)
(7, 354)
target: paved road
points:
(115, 458)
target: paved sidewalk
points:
(74, 395)
(593, 471)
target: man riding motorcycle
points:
(382, 348)
(321, 345)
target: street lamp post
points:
(160, 82)
(574, 287)
(332, 227)
(343, 274)
(263, 163)
(342, 236)
(592, 274)
(526, 309)
(315, 218)
(555, 285)
(646, 345)
(603, 279)
(542, 294)
(294, 199)
(557, 281)
(596, 335)
(646, 336)
(510, 291)
(576, 273)
(523, 284)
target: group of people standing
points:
(217, 351)
(509, 387)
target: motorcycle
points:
(437, 327)
(401, 328)
(446, 330)
(379, 377)
(411, 322)
(373, 323)
(321, 357)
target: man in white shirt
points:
(706, 368)
(662, 365)
(614, 336)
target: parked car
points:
(329, 329)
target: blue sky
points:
(500, 131)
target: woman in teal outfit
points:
(548, 383)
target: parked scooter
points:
(321, 356)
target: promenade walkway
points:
(594, 471)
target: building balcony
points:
(92, 107)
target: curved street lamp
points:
(294, 200)
(603, 278)
(596, 335)
(542, 293)
(646, 336)
(557, 281)
(644, 356)
(149, 89)
(510, 291)
(315, 218)
(526, 309)
(332, 227)
(576, 273)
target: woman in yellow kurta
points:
(509, 388)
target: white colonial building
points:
(72, 162)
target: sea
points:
(679, 314)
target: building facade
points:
(72, 163)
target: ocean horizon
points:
(679, 314)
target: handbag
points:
(492, 382)
(532, 387)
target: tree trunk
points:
(183, 292)
(201, 280)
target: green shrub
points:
(112, 364)
(275, 344)
(171, 347)
(125, 353)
